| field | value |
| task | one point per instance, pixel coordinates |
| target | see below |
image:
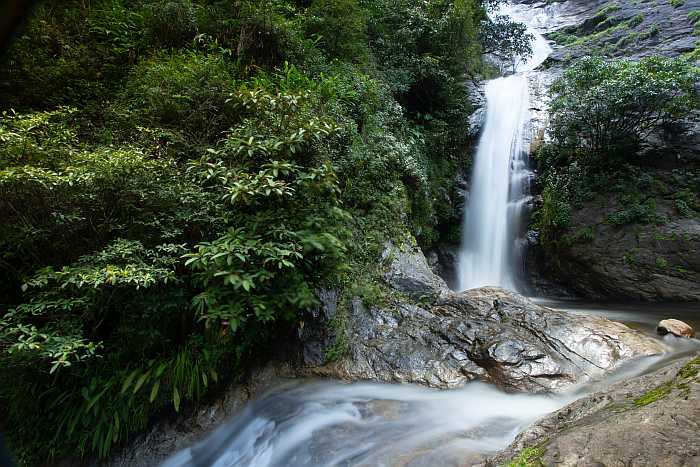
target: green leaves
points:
(602, 110)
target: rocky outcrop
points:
(622, 28)
(676, 327)
(487, 334)
(649, 261)
(408, 271)
(644, 421)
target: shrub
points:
(339, 27)
(186, 93)
(601, 110)
(171, 23)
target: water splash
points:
(334, 424)
(491, 251)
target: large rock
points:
(650, 420)
(642, 29)
(408, 271)
(676, 327)
(487, 334)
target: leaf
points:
(140, 382)
(176, 399)
(154, 391)
(128, 380)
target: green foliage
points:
(601, 110)
(171, 23)
(178, 178)
(506, 39)
(637, 211)
(339, 26)
(186, 93)
(529, 457)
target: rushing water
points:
(324, 423)
(335, 424)
(499, 191)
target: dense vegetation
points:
(602, 112)
(178, 177)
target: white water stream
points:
(491, 252)
(309, 423)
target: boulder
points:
(486, 334)
(618, 262)
(408, 271)
(647, 420)
(676, 327)
(317, 334)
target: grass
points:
(529, 457)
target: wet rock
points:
(484, 334)
(408, 271)
(647, 420)
(443, 260)
(676, 327)
(317, 335)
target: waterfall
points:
(491, 252)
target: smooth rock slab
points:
(487, 334)
(650, 420)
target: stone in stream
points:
(650, 420)
(486, 334)
(676, 327)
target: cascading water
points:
(498, 197)
(326, 424)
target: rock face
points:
(623, 28)
(632, 261)
(642, 261)
(644, 421)
(487, 334)
(675, 327)
(408, 271)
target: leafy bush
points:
(186, 92)
(637, 212)
(171, 23)
(601, 110)
(339, 27)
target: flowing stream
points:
(499, 190)
(325, 423)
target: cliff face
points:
(637, 237)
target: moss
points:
(609, 8)
(529, 457)
(636, 20)
(681, 382)
(654, 395)
(690, 369)
(676, 3)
